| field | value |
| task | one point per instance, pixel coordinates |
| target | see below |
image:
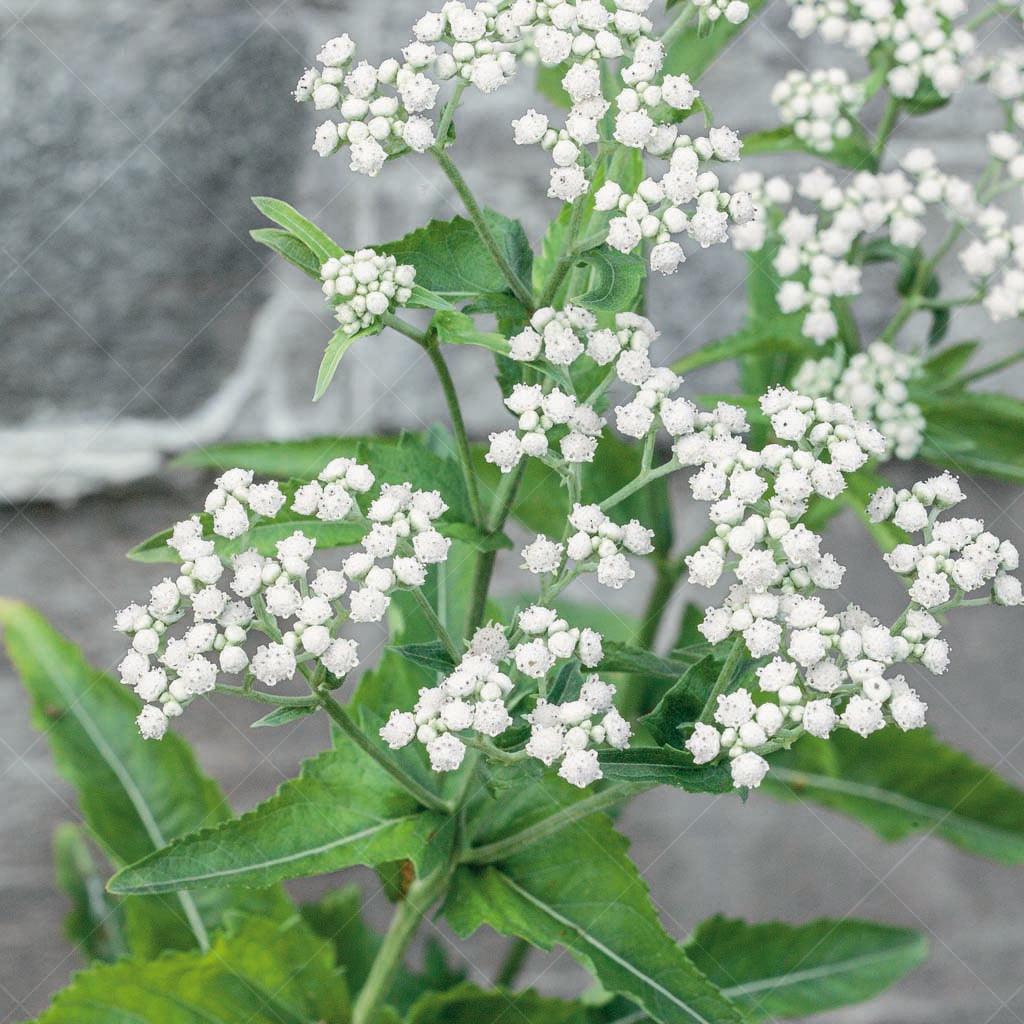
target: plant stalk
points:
(723, 680)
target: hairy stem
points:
(638, 484)
(382, 757)
(422, 895)
(436, 624)
(476, 214)
(282, 700)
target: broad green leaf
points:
(899, 784)
(135, 796)
(452, 262)
(259, 972)
(283, 716)
(459, 329)
(285, 244)
(616, 280)
(853, 152)
(973, 432)
(343, 809)
(322, 247)
(745, 343)
(468, 1004)
(695, 49)
(285, 460)
(663, 766)
(95, 924)
(778, 970)
(579, 889)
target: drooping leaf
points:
(95, 924)
(468, 1004)
(341, 341)
(260, 972)
(451, 261)
(777, 970)
(322, 247)
(343, 809)
(135, 796)
(558, 892)
(285, 244)
(616, 279)
(899, 784)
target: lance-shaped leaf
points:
(136, 796)
(285, 460)
(778, 970)
(580, 890)
(468, 1004)
(341, 341)
(321, 245)
(898, 784)
(285, 244)
(259, 972)
(615, 281)
(452, 262)
(663, 766)
(343, 809)
(854, 151)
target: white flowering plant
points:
(478, 742)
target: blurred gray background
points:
(138, 319)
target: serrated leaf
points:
(663, 766)
(459, 329)
(341, 341)
(260, 972)
(775, 970)
(469, 1004)
(452, 262)
(557, 892)
(616, 281)
(284, 716)
(322, 246)
(899, 784)
(135, 796)
(343, 809)
(94, 925)
(285, 244)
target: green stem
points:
(422, 895)
(515, 957)
(436, 624)
(635, 485)
(267, 698)
(885, 128)
(349, 728)
(503, 848)
(985, 371)
(476, 214)
(678, 27)
(567, 255)
(723, 680)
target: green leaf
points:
(459, 329)
(557, 892)
(695, 49)
(341, 341)
(260, 972)
(431, 654)
(944, 366)
(616, 279)
(778, 970)
(285, 460)
(899, 784)
(135, 796)
(468, 1004)
(682, 705)
(549, 84)
(343, 809)
(973, 432)
(322, 247)
(284, 716)
(452, 262)
(619, 657)
(95, 925)
(761, 342)
(853, 151)
(422, 299)
(285, 244)
(663, 766)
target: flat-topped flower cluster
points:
(228, 596)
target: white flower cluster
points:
(827, 670)
(958, 556)
(363, 286)
(925, 45)
(221, 599)
(818, 105)
(476, 697)
(734, 11)
(874, 385)
(815, 256)
(598, 545)
(1003, 73)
